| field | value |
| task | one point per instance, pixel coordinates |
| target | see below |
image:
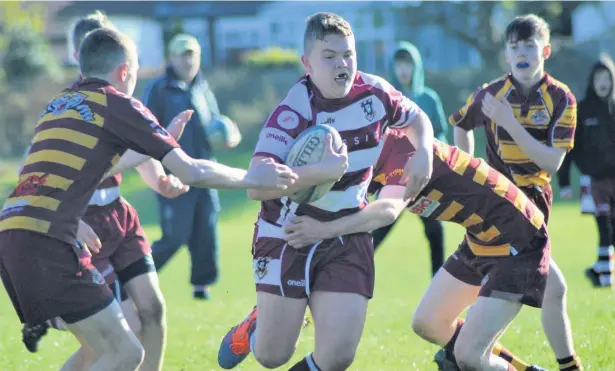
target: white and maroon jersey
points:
(361, 118)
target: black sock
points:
(434, 231)
(605, 230)
(306, 364)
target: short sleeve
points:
(136, 127)
(402, 111)
(389, 168)
(564, 123)
(470, 115)
(279, 133)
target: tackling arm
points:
(379, 213)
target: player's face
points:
(186, 65)
(332, 65)
(527, 58)
(403, 71)
(603, 83)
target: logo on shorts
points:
(368, 109)
(424, 206)
(297, 283)
(540, 118)
(97, 278)
(485, 280)
(261, 267)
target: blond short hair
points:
(323, 24)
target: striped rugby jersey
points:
(466, 191)
(81, 134)
(361, 117)
(549, 114)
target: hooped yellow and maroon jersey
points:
(464, 190)
(549, 114)
(81, 134)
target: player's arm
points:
(131, 159)
(153, 175)
(547, 156)
(382, 212)
(134, 127)
(465, 120)
(263, 174)
(331, 168)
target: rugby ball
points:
(222, 133)
(309, 148)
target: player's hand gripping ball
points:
(309, 148)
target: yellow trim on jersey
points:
(489, 234)
(69, 135)
(547, 98)
(58, 157)
(462, 162)
(501, 185)
(482, 172)
(43, 202)
(449, 213)
(95, 97)
(51, 180)
(435, 195)
(483, 250)
(512, 153)
(472, 220)
(25, 222)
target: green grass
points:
(388, 343)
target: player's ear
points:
(304, 61)
(123, 71)
(546, 51)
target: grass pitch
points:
(402, 266)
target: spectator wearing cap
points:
(192, 217)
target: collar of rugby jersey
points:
(92, 81)
(536, 89)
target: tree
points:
(474, 22)
(25, 58)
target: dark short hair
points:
(403, 56)
(323, 24)
(87, 24)
(103, 50)
(525, 27)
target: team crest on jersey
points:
(368, 109)
(261, 267)
(540, 118)
(65, 102)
